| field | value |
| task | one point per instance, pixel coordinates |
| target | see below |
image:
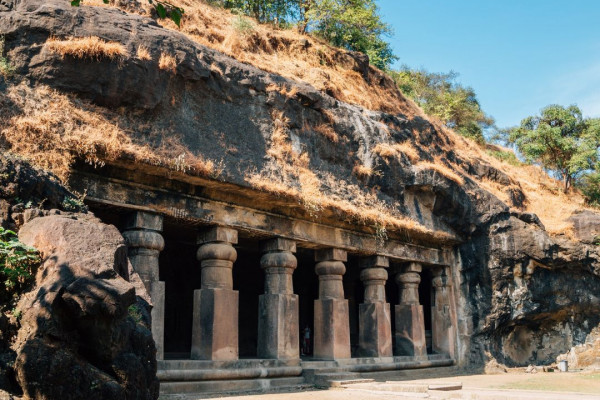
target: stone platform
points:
(205, 376)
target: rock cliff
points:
(526, 296)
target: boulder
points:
(77, 339)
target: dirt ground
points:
(510, 386)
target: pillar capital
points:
(440, 278)
(278, 244)
(217, 255)
(374, 262)
(218, 234)
(144, 220)
(331, 254)
(145, 239)
(279, 263)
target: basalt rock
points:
(524, 296)
(83, 323)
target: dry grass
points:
(362, 171)
(289, 174)
(544, 196)
(442, 170)
(53, 130)
(387, 150)
(167, 62)
(327, 131)
(284, 52)
(143, 53)
(87, 48)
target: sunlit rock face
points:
(523, 296)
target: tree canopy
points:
(440, 95)
(350, 24)
(561, 141)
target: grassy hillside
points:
(53, 129)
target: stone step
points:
(166, 375)
(445, 386)
(349, 382)
(325, 379)
(232, 386)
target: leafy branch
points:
(17, 263)
(163, 9)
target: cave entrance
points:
(426, 300)
(354, 292)
(248, 280)
(180, 270)
(306, 286)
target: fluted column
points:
(144, 243)
(216, 304)
(332, 325)
(374, 319)
(442, 332)
(410, 322)
(278, 327)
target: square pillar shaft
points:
(375, 330)
(216, 304)
(215, 330)
(278, 327)
(443, 334)
(332, 330)
(410, 330)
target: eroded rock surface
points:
(525, 297)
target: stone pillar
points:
(410, 322)
(442, 332)
(215, 320)
(375, 324)
(144, 243)
(332, 326)
(278, 325)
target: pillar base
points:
(157, 295)
(215, 325)
(410, 330)
(375, 332)
(332, 329)
(278, 327)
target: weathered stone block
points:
(331, 254)
(332, 329)
(215, 324)
(157, 295)
(410, 330)
(278, 244)
(144, 220)
(218, 234)
(442, 331)
(278, 326)
(375, 330)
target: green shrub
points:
(18, 263)
(5, 68)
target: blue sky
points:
(519, 56)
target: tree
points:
(560, 140)
(441, 96)
(350, 24)
(277, 12)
